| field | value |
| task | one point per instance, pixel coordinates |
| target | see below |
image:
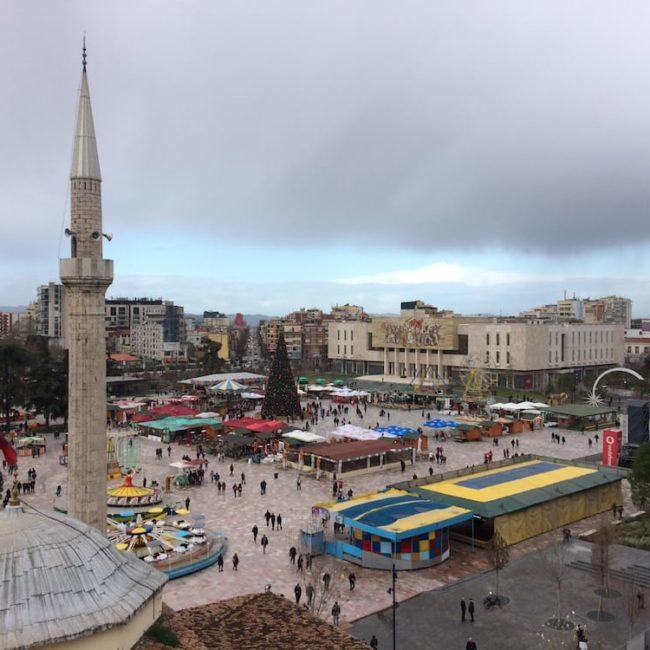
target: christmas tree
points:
(281, 392)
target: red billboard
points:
(612, 440)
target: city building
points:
(50, 312)
(7, 320)
(424, 344)
(162, 341)
(215, 321)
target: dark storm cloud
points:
(418, 125)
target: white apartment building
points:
(50, 312)
(425, 344)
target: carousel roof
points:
(60, 580)
(127, 489)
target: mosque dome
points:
(61, 581)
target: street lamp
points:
(391, 590)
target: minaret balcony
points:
(87, 271)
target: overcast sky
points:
(264, 156)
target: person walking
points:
(298, 484)
(169, 452)
(326, 580)
(220, 562)
(273, 521)
(255, 530)
(232, 469)
(235, 562)
(187, 503)
(336, 612)
(470, 609)
(292, 555)
(278, 520)
(463, 609)
(262, 487)
(300, 563)
(243, 478)
(352, 580)
(264, 542)
(310, 594)
(471, 644)
(373, 643)
(267, 516)
(297, 590)
(239, 490)
(234, 490)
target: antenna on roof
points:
(83, 53)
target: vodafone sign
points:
(612, 440)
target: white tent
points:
(304, 436)
(358, 433)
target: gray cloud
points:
(417, 125)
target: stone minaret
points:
(86, 275)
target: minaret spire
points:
(83, 54)
(86, 275)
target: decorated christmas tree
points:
(281, 392)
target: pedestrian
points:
(234, 489)
(298, 484)
(262, 487)
(402, 465)
(470, 609)
(255, 530)
(336, 612)
(267, 516)
(220, 562)
(352, 580)
(297, 590)
(326, 581)
(430, 470)
(144, 482)
(187, 503)
(300, 563)
(264, 542)
(243, 478)
(58, 490)
(620, 512)
(232, 469)
(169, 452)
(292, 555)
(273, 521)
(278, 519)
(463, 609)
(235, 562)
(310, 594)
(239, 490)
(471, 644)
(614, 509)
(374, 644)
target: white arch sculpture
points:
(594, 399)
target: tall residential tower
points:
(86, 275)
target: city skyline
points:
(261, 159)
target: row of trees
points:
(33, 376)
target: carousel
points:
(131, 495)
(170, 540)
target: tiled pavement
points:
(236, 516)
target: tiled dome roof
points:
(61, 579)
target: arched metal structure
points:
(594, 399)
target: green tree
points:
(47, 380)
(498, 556)
(281, 393)
(14, 363)
(640, 479)
(210, 360)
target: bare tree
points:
(600, 557)
(324, 592)
(498, 556)
(556, 558)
